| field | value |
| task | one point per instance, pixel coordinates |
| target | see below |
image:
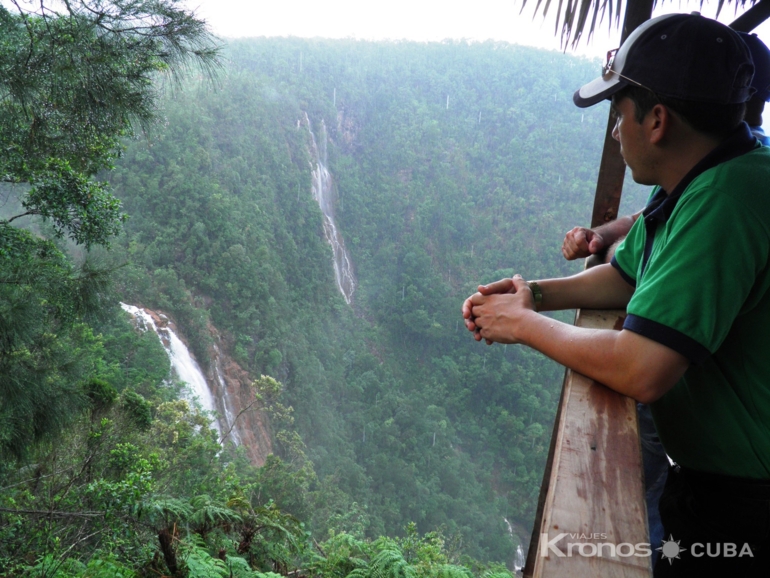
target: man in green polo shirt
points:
(693, 275)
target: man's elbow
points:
(648, 395)
(647, 386)
(648, 369)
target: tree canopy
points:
(74, 82)
(75, 79)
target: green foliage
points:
(107, 567)
(138, 408)
(74, 204)
(200, 564)
(134, 359)
(101, 393)
(46, 352)
(208, 514)
(75, 83)
(414, 556)
(75, 79)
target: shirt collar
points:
(661, 205)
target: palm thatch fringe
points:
(572, 16)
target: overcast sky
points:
(422, 20)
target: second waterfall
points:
(322, 192)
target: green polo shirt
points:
(703, 289)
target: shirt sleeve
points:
(699, 274)
(628, 255)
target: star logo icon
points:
(670, 549)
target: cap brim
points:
(597, 90)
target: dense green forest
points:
(402, 445)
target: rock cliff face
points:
(224, 388)
(231, 386)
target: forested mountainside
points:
(450, 164)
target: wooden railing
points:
(593, 488)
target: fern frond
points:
(207, 513)
(497, 574)
(452, 571)
(390, 563)
(239, 568)
(201, 564)
(165, 510)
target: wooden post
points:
(612, 169)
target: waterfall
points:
(225, 389)
(227, 402)
(519, 560)
(322, 193)
(183, 364)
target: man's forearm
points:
(616, 229)
(626, 362)
(600, 287)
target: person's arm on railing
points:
(622, 360)
(583, 242)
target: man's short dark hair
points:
(717, 120)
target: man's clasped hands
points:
(498, 311)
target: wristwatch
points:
(537, 293)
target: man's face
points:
(634, 144)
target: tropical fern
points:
(164, 511)
(342, 555)
(201, 564)
(208, 514)
(239, 568)
(52, 567)
(239, 503)
(390, 563)
(107, 567)
(452, 571)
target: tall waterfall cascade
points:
(323, 192)
(182, 362)
(225, 389)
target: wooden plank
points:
(609, 185)
(753, 17)
(612, 169)
(595, 492)
(535, 537)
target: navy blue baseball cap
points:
(760, 55)
(684, 56)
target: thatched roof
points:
(574, 18)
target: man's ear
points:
(658, 123)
